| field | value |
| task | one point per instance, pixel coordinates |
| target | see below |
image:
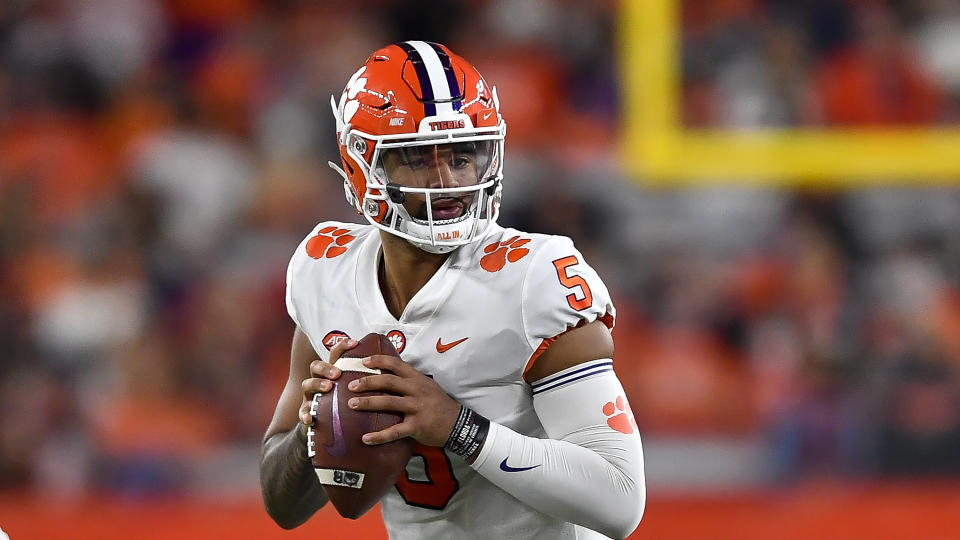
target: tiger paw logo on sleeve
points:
(619, 417)
(498, 253)
(329, 242)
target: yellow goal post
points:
(658, 149)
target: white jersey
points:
(475, 327)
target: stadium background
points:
(788, 287)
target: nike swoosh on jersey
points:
(441, 348)
(339, 447)
(506, 468)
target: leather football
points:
(354, 475)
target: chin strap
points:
(337, 168)
(347, 190)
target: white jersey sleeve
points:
(561, 291)
(589, 468)
(320, 261)
(295, 261)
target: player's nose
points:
(442, 176)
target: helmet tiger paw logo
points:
(498, 253)
(623, 420)
(329, 242)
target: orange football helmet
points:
(414, 101)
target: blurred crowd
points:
(822, 62)
(161, 159)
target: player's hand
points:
(429, 413)
(322, 375)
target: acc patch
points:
(333, 337)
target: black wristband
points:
(468, 433)
(461, 419)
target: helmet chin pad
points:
(465, 229)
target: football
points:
(355, 476)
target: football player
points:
(506, 381)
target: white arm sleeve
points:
(590, 471)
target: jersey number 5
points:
(440, 485)
(572, 282)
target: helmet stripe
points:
(451, 75)
(437, 78)
(426, 89)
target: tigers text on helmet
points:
(421, 144)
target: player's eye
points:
(461, 161)
(412, 159)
